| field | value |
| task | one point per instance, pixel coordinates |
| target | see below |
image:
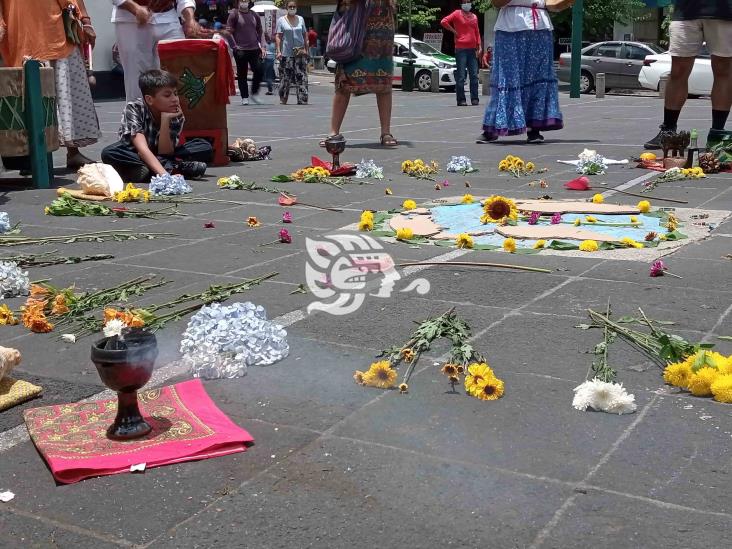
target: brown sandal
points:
(387, 140)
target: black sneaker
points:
(655, 143)
(475, 102)
(534, 136)
(190, 170)
(134, 174)
(486, 138)
(462, 104)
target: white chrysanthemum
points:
(114, 327)
(603, 397)
(69, 338)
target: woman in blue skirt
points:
(524, 88)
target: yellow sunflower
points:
(464, 240)
(358, 377)
(449, 369)
(408, 355)
(589, 246)
(477, 373)
(498, 209)
(380, 374)
(490, 389)
(700, 383)
(509, 245)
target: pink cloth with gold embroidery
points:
(186, 424)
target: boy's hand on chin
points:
(171, 115)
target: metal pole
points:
(409, 24)
(41, 168)
(577, 10)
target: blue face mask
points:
(466, 7)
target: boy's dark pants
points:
(123, 157)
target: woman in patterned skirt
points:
(372, 73)
(36, 30)
(524, 88)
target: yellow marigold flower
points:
(477, 373)
(490, 389)
(726, 366)
(252, 221)
(366, 225)
(405, 233)
(509, 245)
(503, 165)
(630, 243)
(539, 244)
(598, 199)
(644, 206)
(722, 389)
(464, 240)
(59, 305)
(109, 314)
(510, 158)
(7, 318)
(467, 199)
(403, 388)
(577, 222)
(388, 192)
(146, 196)
(358, 377)
(518, 163)
(678, 374)
(633, 219)
(700, 383)
(409, 204)
(530, 167)
(221, 181)
(367, 215)
(590, 219)
(589, 246)
(380, 374)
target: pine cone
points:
(708, 163)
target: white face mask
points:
(292, 11)
(466, 7)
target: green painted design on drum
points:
(416, 66)
(12, 118)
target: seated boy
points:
(149, 135)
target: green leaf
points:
(725, 338)
(560, 245)
(675, 235)
(281, 179)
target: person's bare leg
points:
(722, 88)
(75, 159)
(677, 88)
(340, 105)
(384, 102)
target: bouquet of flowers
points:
(516, 166)
(367, 169)
(591, 163)
(460, 164)
(419, 169)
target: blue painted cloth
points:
(524, 88)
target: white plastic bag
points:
(100, 180)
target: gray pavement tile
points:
(606, 521)
(691, 309)
(22, 532)
(323, 394)
(512, 433)
(313, 499)
(676, 455)
(180, 490)
(55, 391)
(714, 247)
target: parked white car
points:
(656, 66)
(425, 59)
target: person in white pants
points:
(140, 25)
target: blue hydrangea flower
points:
(168, 185)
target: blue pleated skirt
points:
(524, 88)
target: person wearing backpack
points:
(246, 31)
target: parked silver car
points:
(620, 61)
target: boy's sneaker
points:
(269, 93)
(190, 170)
(244, 101)
(655, 143)
(134, 174)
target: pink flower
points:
(287, 217)
(657, 268)
(445, 183)
(556, 218)
(534, 218)
(209, 225)
(285, 237)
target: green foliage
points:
(599, 15)
(422, 14)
